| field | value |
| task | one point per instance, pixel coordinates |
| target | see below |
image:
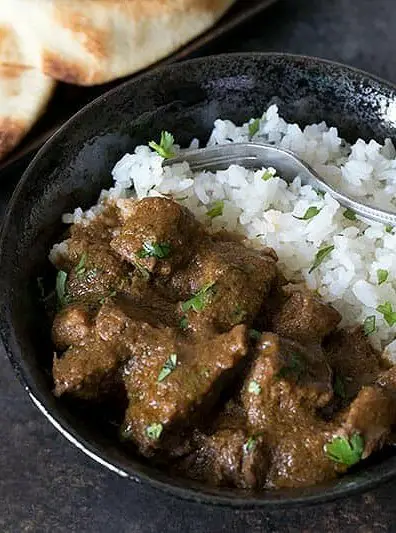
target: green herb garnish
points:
(369, 325)
(254, 334)
(168, 367)
(321, 194)
(61, 287)
(267, 175)
(250, 444)
(389, 229)
(216, 209)
(165, 148)
(80, 268)
(183, 324)
(320, 256)
(339, 387)
(254, 126)
(154, 431)
(294, 367)
(254, 387)
(388, 313)
(345, 451)
(153, 249)
(199, 300)
(382, 276)
(309, 213)
(349, 214)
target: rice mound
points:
(269, 212)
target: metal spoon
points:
(287, 164)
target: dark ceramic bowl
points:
(75, 165)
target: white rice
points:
(265, 211)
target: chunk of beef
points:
(354, 361)
(234, 281)
(158, 235)
(229, 457)
(282, 390)
(304, 317)
(90, 366)
(197, 373)
(71, 325)
(373, 413)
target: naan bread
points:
(24, 91)
(88, 42)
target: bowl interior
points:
(76, 164)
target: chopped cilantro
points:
(382, 276)
(294, 367)
(216, 209)
(254, 334)
(321, 194)
(267, 175)
(345, 451)
(309, 213)
(183, 324)
(254, 387)
(349, 214)
(165, 148)
(199, 300)
(154, 431)
(254, 126)
(168, 367)
(321, 256)
(250, 444)
(153, 249)
(369, 325)
(80, 268)
(61, 287)
(389, 229)
(388, 313)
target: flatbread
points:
(88, 42)
(24, 91)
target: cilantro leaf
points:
(349, 214)
(345, 451)
(199, 300)
(267, 175)
(294, 367)
(389, 229)
(61, 287)
(320, 256)
(154, 431)
(183, 324)
(250, 444)
(321, 194)
(80, 268)
(388, 313)
(168, 367)
(165, 148)
(309, 213)
(153, 249)
(369, 325)
(382, 276)
(254, 387)
(254, 126)
(216, 210)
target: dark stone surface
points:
(46, 485)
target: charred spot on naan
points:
(67, 71)
(11, 131)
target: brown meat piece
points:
(229, 457)
(188, 390)
(304, 317)
(237, 280)
(158, 222)
(284, 386)
(71, 325)
(373, 413)
(354, 362)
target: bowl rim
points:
(269, 500)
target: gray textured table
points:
(48, 486)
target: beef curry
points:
(224, 371)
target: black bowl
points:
(72, 168)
